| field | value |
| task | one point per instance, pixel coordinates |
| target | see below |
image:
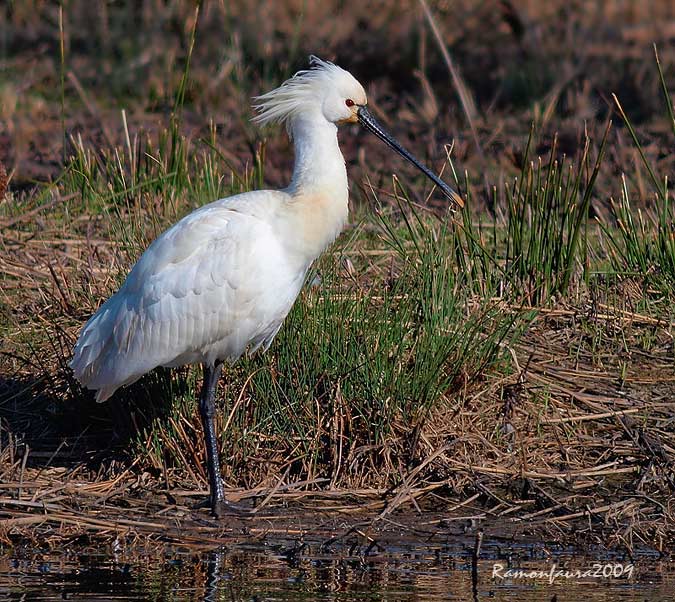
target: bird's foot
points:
(221, 508)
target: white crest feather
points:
(294, 95)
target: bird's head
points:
(322, 91)
(326, 91)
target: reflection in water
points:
(291, 572)
(214, 569)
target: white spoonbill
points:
(222, 280)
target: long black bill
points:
(371, 124)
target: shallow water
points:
(411, 571)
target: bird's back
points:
(217, 282)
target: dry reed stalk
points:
(465, 98)
(3, 182)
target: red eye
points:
(349, 102)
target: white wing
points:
(215, 283)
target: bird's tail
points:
(101, 359)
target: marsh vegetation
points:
(513, 361)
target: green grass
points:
(642, 243)
(537, 245)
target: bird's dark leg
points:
(207, 410)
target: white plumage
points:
(223, 279)
(218, 281)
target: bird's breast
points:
(312, 221)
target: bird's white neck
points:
(318, 205)
(319, 164)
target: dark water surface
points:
(288, 571)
